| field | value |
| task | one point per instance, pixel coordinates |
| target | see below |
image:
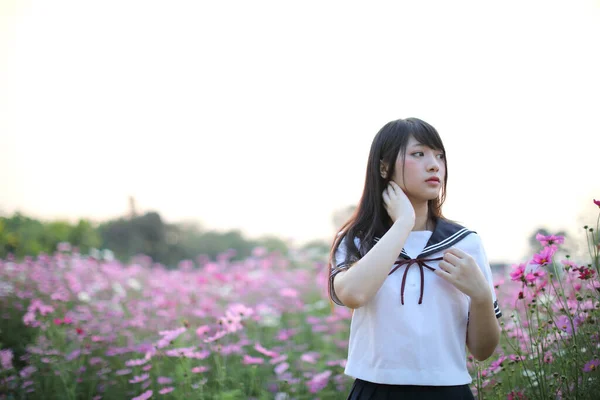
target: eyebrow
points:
(424, 145)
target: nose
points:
(434, 164)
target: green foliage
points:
(145, 234)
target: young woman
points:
(420, 285)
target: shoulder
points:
(469, 240)
(341, 252)
(453, 234)
(344, 241)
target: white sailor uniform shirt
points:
(413, 331)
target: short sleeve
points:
(340, 264)
(480, 257)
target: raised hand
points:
(462, 271)
(397, 204)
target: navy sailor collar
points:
(445, 234)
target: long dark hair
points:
(370, 219)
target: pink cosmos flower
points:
(259, 252)
(163, 380)
(65, 320)
(6, 357)
(258, 347)
(517, 272)
(568, 264)
(310, 357)
(200, 369)
(597, 202)
(285, 334)
(27, 371)
(240, 310)
(543, 257)
(202, 330)
(548, 357)
(318, 382)
(281, 368)
(96, 360)
(497, 364)
(341, 363)
(278, 359)
(516, 395)
(591, 365)
(198, 355)
(123, 371)
(586, 273)
(563, 323)
(593, 285)
(248, 360)
(168, 337)
(135, 363)
(536, 275)
(215, 337)
(138, 379)
(166, 390)
(144, 396)
(549, 240)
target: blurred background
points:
(195, 127)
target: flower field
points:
(76, 326)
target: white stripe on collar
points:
(445, 241)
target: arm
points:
(357, 285)
(472, 275)
(483, 330)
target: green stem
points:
(518, 351)
(534, 350)
(573, 336)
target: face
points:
(421, 164)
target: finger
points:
(456, 252)
(391, 187)
(451, 258)
(395, 186)
(446, 266)
(443, 274)
(386, 197)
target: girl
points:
(420, 285)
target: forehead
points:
(412, 142)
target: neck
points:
(421, 217)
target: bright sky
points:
(259, 115)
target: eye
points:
(418, 152)
(441, 156)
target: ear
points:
(383, 169)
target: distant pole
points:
(132, 210)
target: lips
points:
(434, 179)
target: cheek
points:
(442, 171)
(410, 166)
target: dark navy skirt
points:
(363, 390)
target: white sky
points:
(259, 115)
